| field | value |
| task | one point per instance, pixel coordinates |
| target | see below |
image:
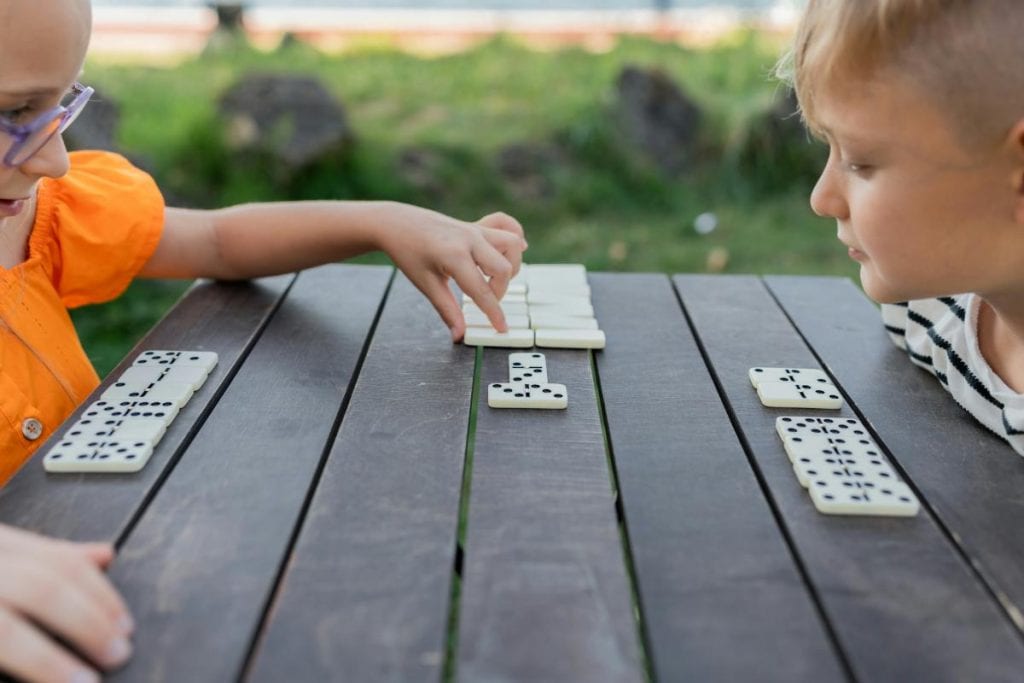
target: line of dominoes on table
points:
(834, 458)
(118, 432)
(546, 305)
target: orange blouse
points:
(94, 229)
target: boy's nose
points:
(826, 200)
(50, 161)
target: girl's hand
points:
(49, 586)
(430, 248)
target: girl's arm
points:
(253, 240)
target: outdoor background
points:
(539, 129)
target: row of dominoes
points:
(527, 386)
(843, 469)
(546, 305)
(118, 432)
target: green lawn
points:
(604, 206)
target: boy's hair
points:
(966, 57)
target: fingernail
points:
(126, 624)
(85, 676)
(119, 651)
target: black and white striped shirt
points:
(941, 336)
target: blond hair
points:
(964, 56)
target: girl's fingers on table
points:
(80, 562)
(471, 280)
(29, 655)
(62, 600)
(76, 564)
(437, 292)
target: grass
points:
(599, 202)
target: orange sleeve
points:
(104, 218)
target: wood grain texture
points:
(225, 318)
(973, 480)
(545, 592)
(203, 561)
(366, 593)
(721, 596)
(903, 604)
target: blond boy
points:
(922, 105)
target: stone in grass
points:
(292, 119)
(656, 117)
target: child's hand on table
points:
(53, 586)
(430, 247)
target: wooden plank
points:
(366, 592)
(223, 317)
(900, 600)
(713, 571)
(545, 591)
(971, 478)
(202, 562)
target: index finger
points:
(469, 278)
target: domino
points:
(837, 497)
(511, 308)
(796, 375)
(527, 367)
(576, 309)
(549, 321)
(527, 395)
(792, 395)
(788, 426)
(570, 339)
(561, 295)
(478, 319)
(141, 429)
(205, 359)
(513, 339)
(86, 455)
(105, 410)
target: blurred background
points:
(640, 135)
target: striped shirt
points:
(941, 336)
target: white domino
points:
(570, 339)
(531, 368)
(513, 339)
(839, 497)
(575, 309)
(110, 455)
(479, 319)
(792, 395)
(561, 322)
(790, 426)
(797, 375)
(205, 359)
(512, 308)
(527, 395)
(561, 296)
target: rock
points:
(777, 151)
(658, 118)
(527, 169)
(291, 119)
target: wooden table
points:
(339, 503)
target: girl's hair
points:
(966, 57)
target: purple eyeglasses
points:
(30, 138)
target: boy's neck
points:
(1001, 338)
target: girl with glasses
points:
(76, 229)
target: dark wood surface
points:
(339, 503)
